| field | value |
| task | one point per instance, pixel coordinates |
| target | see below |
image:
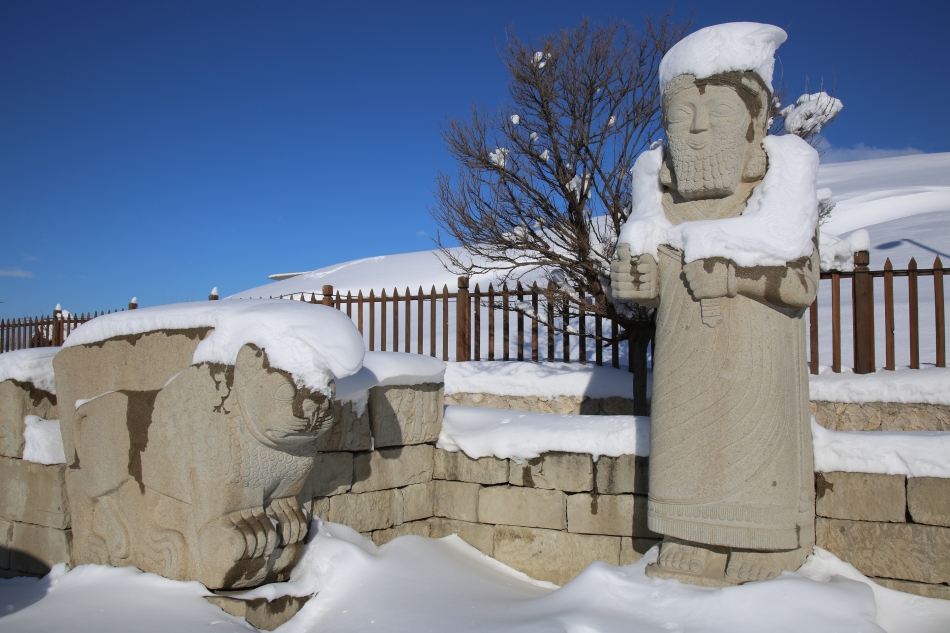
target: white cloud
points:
(861, 152)
(16, 272)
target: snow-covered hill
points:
(903, 202)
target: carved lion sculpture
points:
(205, 479)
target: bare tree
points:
(544, 183)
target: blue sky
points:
(157, 149)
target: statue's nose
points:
(700, 121)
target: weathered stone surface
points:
(263, 614)
(881, 416)
(6, 541)
(332, 473)
(416, 528)
(33, 493)
(640, 518)
(457, 466)
(903, 551)
(623, 474)
(541, 404)
(414, 503)
(350, 432)
(320, 508)
(633, 549)
(552, 555)
(392, 468)
(478, 535)
(528, 507)
(456, 500)
(403, 415)
(18, 400)
(200, 467)
(600, 514)
(569, 472)
(861, 496)
(365, 512)
(36, 548)
(928, 499)
(918, 588)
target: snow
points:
(499, 157)
(515, 119)
(387, 368)
(43, 441)
(908, 453)
(928, 385)
(97, 598)
(777, 226)
(810, 113)
(736, 46)
(31, 366)
(520, 435)
(313, 343)
(543, 380)
(838, 253)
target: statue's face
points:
(707, 136)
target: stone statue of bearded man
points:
(731, 465)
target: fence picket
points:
(912, 304)
(939, 321)
(888, 315)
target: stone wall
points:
(559, 404)
(34, 513)
(881, 416)
(892, 529)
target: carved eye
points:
(285, 392)
(722, 110)
(679, 115)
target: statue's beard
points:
(711, 172)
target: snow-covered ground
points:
(418, 585)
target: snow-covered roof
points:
(30, 365)
(313, 343)
(736, 46)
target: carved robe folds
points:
(731, 459)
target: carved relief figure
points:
(207, 478)
(731, 476)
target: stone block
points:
(414, 528)
(458, 466)
(332, 473)
(625, 474)
(881, 416)
(406, 414)
(904, 551)
(569, 472)
(928, 499)
(552, 555)
(633, 549)
(414, 503)
(33, 493)
(456, 500)
(261, 613)
(392, 468)
(861, 496)
(34, 549)
(364, 512)
(941, 592)
(6, 540)
(18, 400)
(478, 535)
(350, 432)
(640, 528)
(527, 507)
(600, 514)
(320, 508)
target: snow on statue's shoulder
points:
(736, 46)
(30, 365)
(313, 343)
(777, 226)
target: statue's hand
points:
(633, 278)
(710, 278)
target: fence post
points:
(134, 303)
(56, 327)
(863, 313)
(327, 296)
(462, 330)
(214, 294)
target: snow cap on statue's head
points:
(736, 46)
